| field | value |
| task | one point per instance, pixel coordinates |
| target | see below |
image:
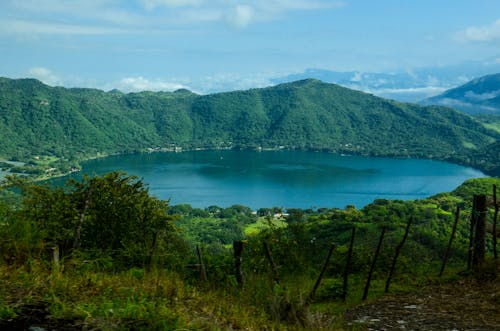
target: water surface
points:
(283, 178)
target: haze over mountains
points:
(479, 96)
(36, 119)
(411, 86)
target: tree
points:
(112, 215)
(122, 219)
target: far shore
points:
(178, 149)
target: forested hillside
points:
(38, 120)
(103, 254)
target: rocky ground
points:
(471, 303)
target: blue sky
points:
(230, 44)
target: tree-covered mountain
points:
(36, 119)
(479, 96)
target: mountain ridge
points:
(76, 123)
(478, 96)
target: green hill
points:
(36, 119)
(479, 96)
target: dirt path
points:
(468, 304)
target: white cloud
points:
(241, 16)
(152, 4)
(243, 13)
(136, 84)
(458, 103)
(483, 33)
(482, 96)
(426, 90)
(358, 77)
(432, 81)
(91, 17)
(95, 10)
(232, 81)
(44, 75)
(23, 27)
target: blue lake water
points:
(289, 179)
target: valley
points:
(111, 251)
(68, 126)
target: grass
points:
(45, 160)
(160, 300)
(77, 296)
(128, 300)
(263, 223)
(495, 126)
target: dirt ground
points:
(471, 303)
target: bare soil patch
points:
(471, 303)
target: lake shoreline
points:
(280, 174)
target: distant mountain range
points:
(36, 119)
(409, 86)
(479, 96)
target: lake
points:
(289, 179)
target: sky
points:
(215, 45)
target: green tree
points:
(112, 215)
(122, 219)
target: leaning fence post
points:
(495, 217)
(269, 257)
(480, 237)
(347, 268)
(320, 277)
(372, 268)
(203, 271)
(396, 255)
(238, 261)
(453, 231)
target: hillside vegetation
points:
(73, 124)
(103, 254)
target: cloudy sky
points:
(208, 45)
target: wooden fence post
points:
(78, 228)
(396, 255)
(55, 258)
(480, 236)
(495, 218)
(372, 268)
(274, 270)
(453, 231)
(347, 268)
(471, 232)
(320, 277)
(203, 271)
(238, 261)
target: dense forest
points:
(55, 127)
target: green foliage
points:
(118, 301)
(71, 124)
(300, 247)
(490, 121)
(123, 220)
(107, 284)
(213, 226)
(113, 216)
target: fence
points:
(478, 230)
